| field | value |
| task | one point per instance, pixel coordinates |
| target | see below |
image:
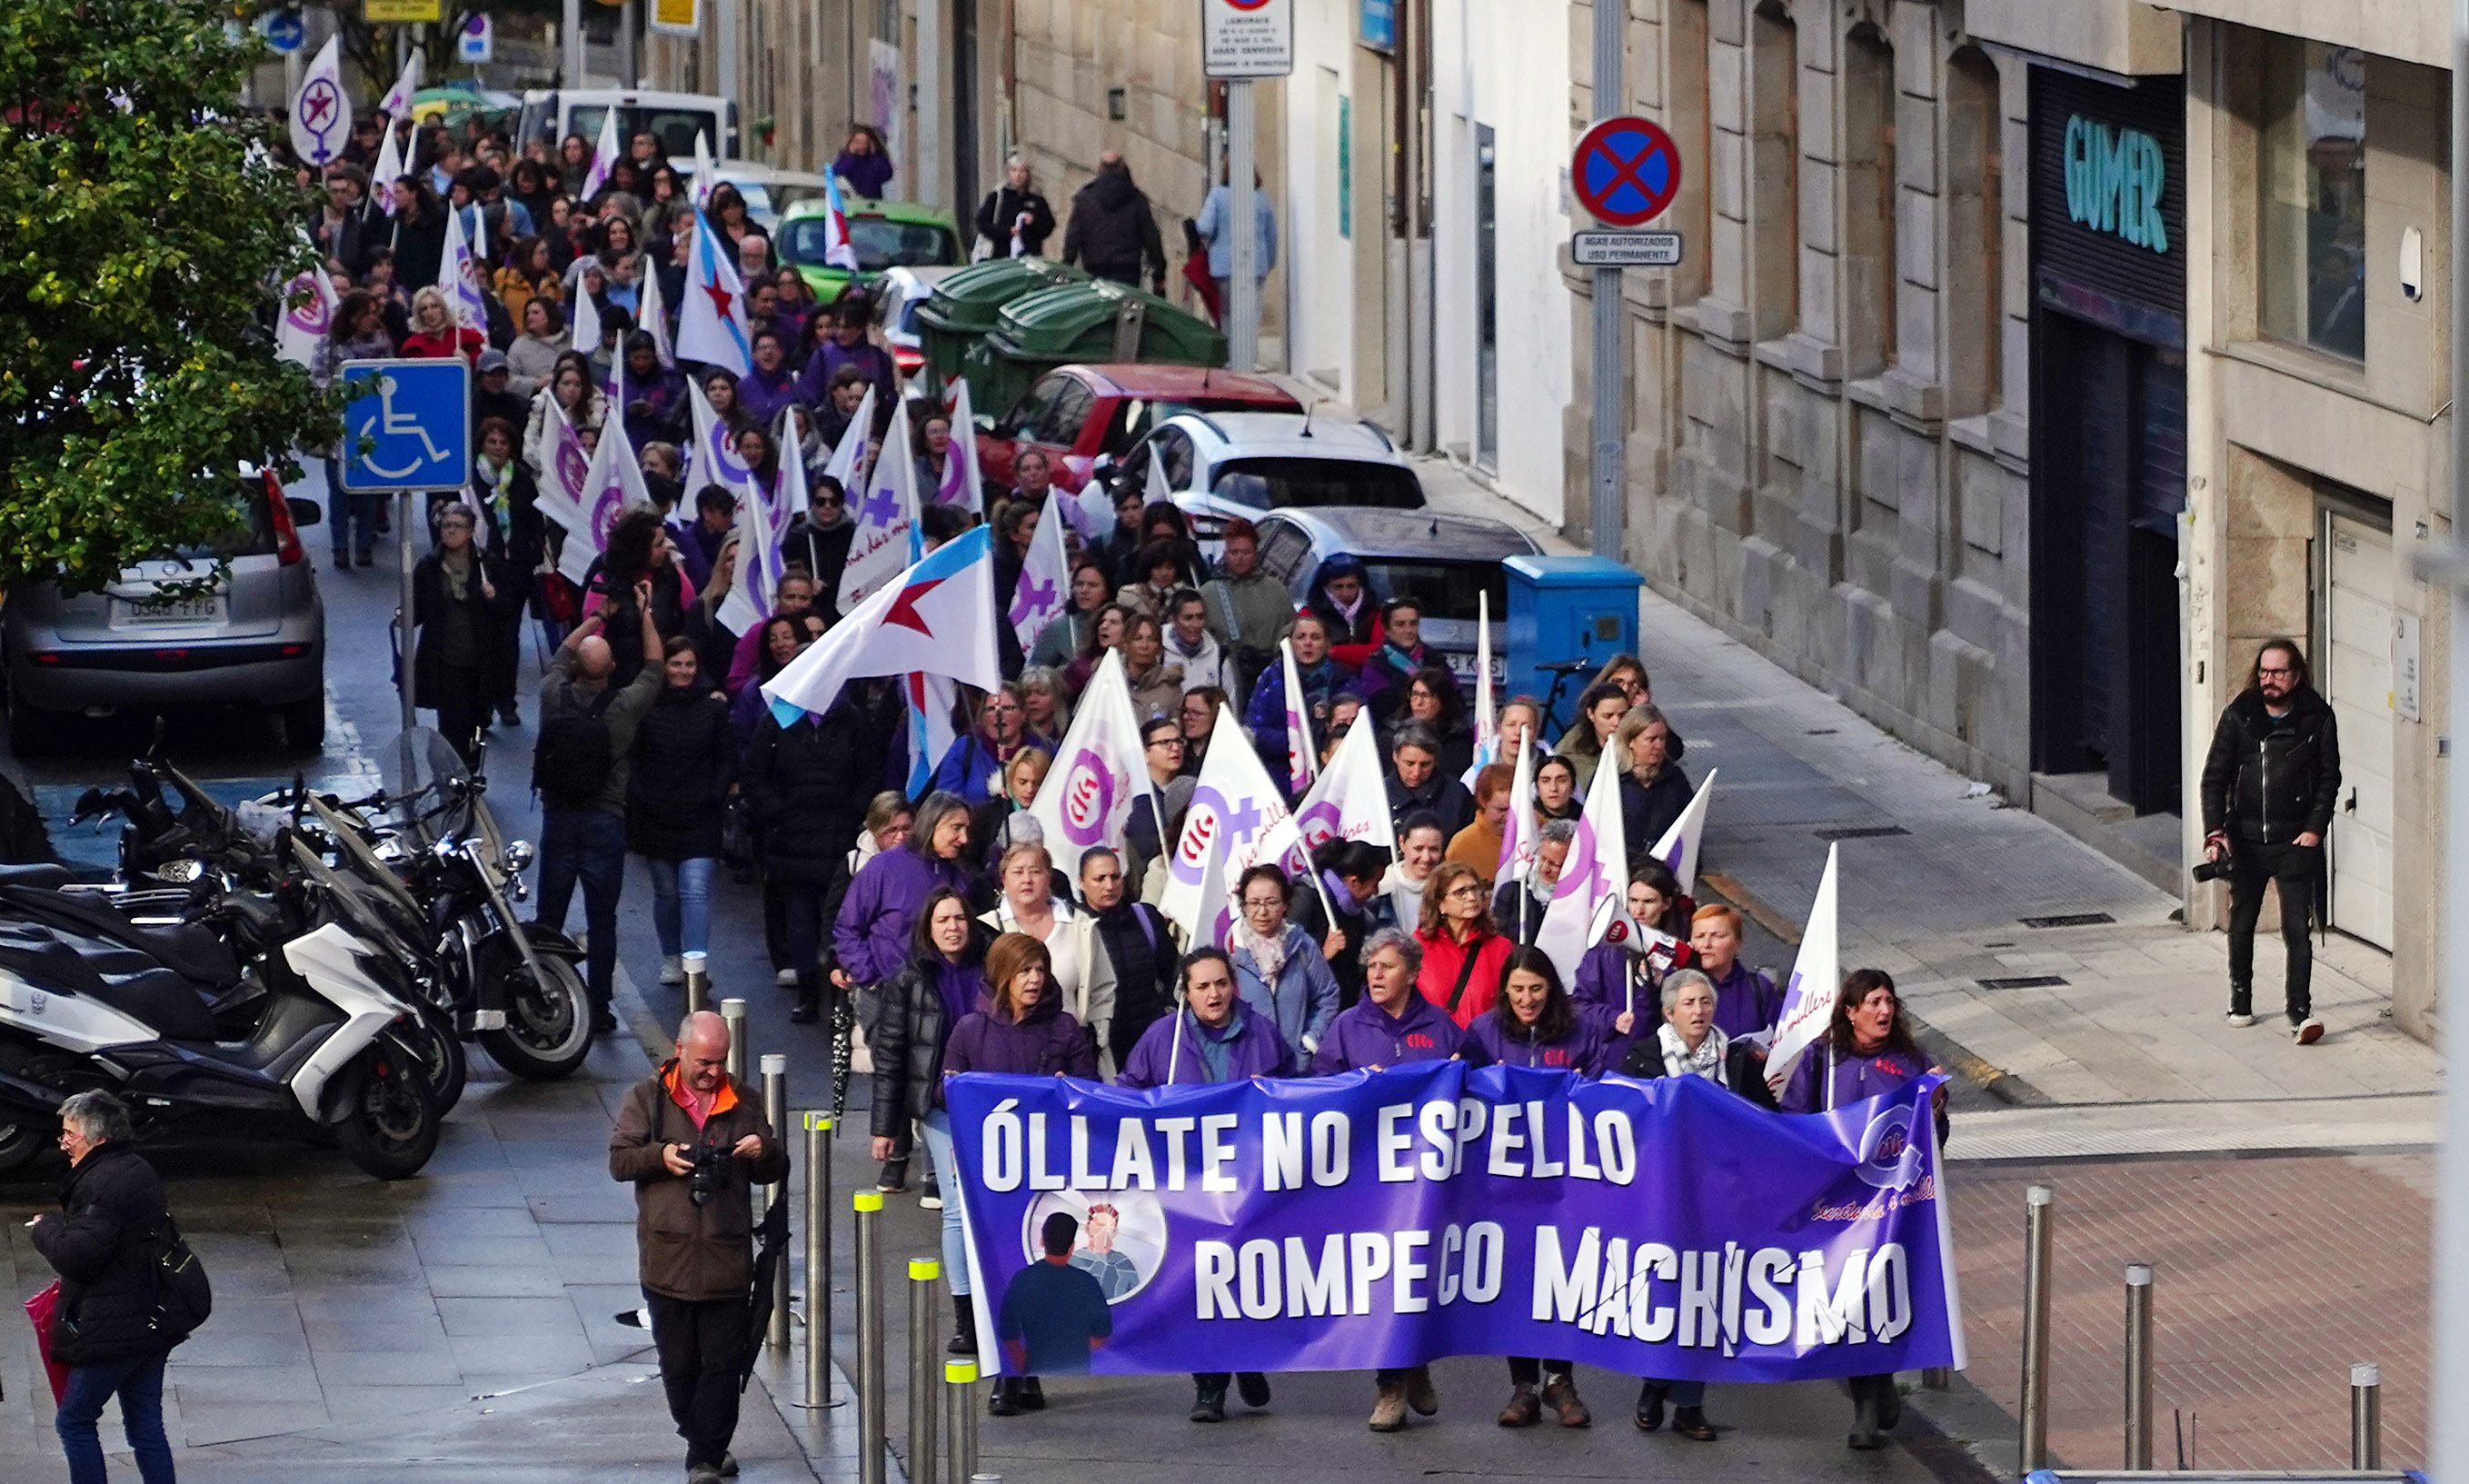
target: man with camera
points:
(693, 1142)
(2268, 791)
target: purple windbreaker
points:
(871, 934)
(1854, 1078)
(1252, 1049)
(1370, 1037)
(1048, 1042)
(1746, 1001)
(1581, 1051)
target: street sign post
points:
(477, 41)
(408, 430)
(1625, 249)
(283, 31)
(1624, 171)
(1240, 40)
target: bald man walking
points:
(692, 1141)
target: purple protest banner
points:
(1662, 1228)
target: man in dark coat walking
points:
(105, 1327)
(2269, 784)
(692, 1141)
(1113, 233)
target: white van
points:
(551, 114)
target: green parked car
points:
(886, 235)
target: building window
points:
(1774, 169)
(1868, 226)
(2312, 221)
(1976, 238)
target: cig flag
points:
(888, 538)
(1098, 771)
(396, 102)
(309, 306)
(603, 157)
(1594, 880)
(1045, 584)
(759, 526)
(1517, 836)
(1486, 710)
(321, 113)
(388, 170)
(1302, 759)
(653, 319)
(705, 173)
(1680, 847)
(937, 617)
(1234, 806)
(713, 461)
(848, 462)
(960, 481)
(458, 273)
(1351, 801)
(1809, 998)
(612, 485)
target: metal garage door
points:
(2355, 658)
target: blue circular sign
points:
(1624, 171)
(283, 31)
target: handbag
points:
(738, 837)
(43, 1309)
(183, 1297)
(1466, 971)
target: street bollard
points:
(868, 1205)
(1937, 1377)
(2366, 1416)
(960, 1420)
(819, 1260)
(2139, 1365)
(775, 1112)
(698, 968)
(732, 1015)
(2039, 1210)
(924, 1274)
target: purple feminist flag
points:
(1388, 1218)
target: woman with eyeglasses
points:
(1278, 970)
(1462, 951)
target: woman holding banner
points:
(1033, 904)
(938, 981)
(1392, 1025)
(1213, 1038)
(1746, 1000)
(1461, 951)
(1867, 1051)
(1630, 964)
(1533, 1024)
(1019, 1029)
(1687, 1044)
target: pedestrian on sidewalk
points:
(2269, 787)
(685, 758)
(1216, 223)
(580, 770)
(1112, 232)
(1219, 1041)
(1868, 1052)
(693, 1142)
(1390, 1026)
(1014, 219)
(940, 971)
(461, 599)
(105, 1328)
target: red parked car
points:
(1076, 413)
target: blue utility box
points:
(1567, 608)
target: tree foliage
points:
(140, 227)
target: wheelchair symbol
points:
(398, 424)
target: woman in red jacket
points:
(434, 334)
(1463, 953)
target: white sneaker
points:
(2241, 1022)
(786, 979)
(2307, 1032)
(673, 969)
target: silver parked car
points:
(257, 635)
(1448, 563)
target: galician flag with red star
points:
(712, 323)
(937, 619)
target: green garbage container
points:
(1090, 321)
(963, 307)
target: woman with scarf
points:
(1688, 1043)
(1532, 1024)
(1279, 969)
(1067, 633)
(1323, 677)
(1003, 821)
(1031, 903)
(934, 986)
(458, 594)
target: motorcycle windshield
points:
(353, 902)
(358, 856)
(428, 790)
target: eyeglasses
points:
(1264, 904)
(2270, 669)
(1167, 742)
(1461, 889)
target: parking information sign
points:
(1625, 249)
(1247, 39)
(411, 429)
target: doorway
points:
(1486, 297)
(2353, 643)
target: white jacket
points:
(1207, 665)
(1083, 971)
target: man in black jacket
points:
(1112, 233)
(2268, 791)
(105, 1330)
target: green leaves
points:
(142, 223)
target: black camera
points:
(709, 1175)
(2211, 871)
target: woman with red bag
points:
(105, 1327)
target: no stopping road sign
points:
(1624, 171)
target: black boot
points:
(1864, 1414)
(1890, 1404)
(1005, 1398)
(964, 1326)
(1650, 1407)
(1030, 1393)
(1209, 1399)
(809, 1000)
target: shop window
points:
(1868, 226)
(1774, 169)
(1975, 233)
(2311, 221)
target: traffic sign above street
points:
(1247, 39)
(1625, 249)
(1624, 171)
(411, 429)
(283, 31)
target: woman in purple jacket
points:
(1219, 1041)
(1021, 1029)
(870, 934)
(1392, 1024)
(1867, 1051)
(1532, 1023)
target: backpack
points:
(572, 758)
(183, 1297)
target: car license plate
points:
(169, 610)
(1461, 666)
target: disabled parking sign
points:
(410, 428)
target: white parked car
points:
(897, 294)
(1224, 465)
